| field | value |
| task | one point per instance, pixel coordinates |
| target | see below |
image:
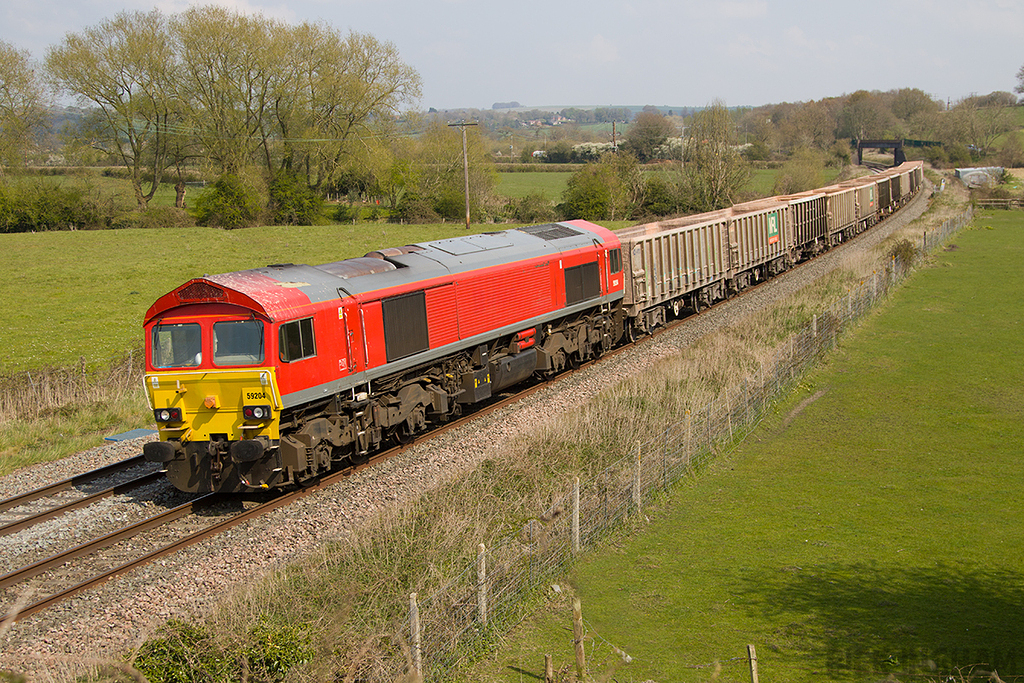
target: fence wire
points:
(451, 621)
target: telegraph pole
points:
(465, 161)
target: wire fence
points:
(30, 393)
(453, 622)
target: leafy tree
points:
(22, 105)
(293, 202)
(1019, 88)
(348, 87)
(610, 189)
(713, 170)
(127, 68)
(802, 171)
(865, 116)
(587, 194)
(232, 73)
(910, 104)
(230, 202)
(968, 124)
(646, 134)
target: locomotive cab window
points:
(296, 340)
(615, 260)
(237, 342)
(177, 346)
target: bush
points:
(415, 209)
(803, 171)
(903, 251)
(533, 208)
(661, 198)
(229, 203)
(293, 202)
(587, 194)
(189, 652)
(347, 213)
(154, 217)
(449, 204)
(39, 205)
(756, 151)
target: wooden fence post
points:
(728, 412)
(577, 638)
(576, 516)
(689, 445)
(414, 628)
(549, 670)
(636, 482)
(753, 663)
(481, 583)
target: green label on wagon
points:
(773, 228)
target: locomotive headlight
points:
(256, 412)
(167, 414)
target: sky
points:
(471, 54)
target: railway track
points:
(23, 576)
(84, 580)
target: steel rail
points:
(77, 480)
(46, 515)
(113, 537)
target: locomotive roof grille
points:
(201, 291)
(550, 231)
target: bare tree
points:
(127, 67)
(713, 170)
(22, 105)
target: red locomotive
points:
(265, 377)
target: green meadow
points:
(872, 526)
(84, 293)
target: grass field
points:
(84, 293)
(872, 526)
(549, 185)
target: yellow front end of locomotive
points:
(215, 405)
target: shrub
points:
(154, 217)
(415, 209)
(347, 213)
(587, 194)
(756, 151)
(661, 198)
(293, 202)
(533, 208)
(803, 171)
(903, 251)
(449, 203)
(229, 203)
(37, 205)
(189, 652)
(183, 651)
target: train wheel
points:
(676, 307)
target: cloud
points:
(597, 51)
